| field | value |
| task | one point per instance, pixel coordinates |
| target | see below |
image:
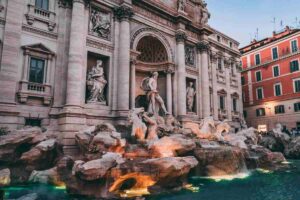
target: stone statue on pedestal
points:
(205, 15)
(190, 95)
(155, 102)
(96, 83)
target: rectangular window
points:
(260, 112)
(297, 85)
(32, 122)
(294, 66)
(243, 80)
(42, 4)
(294, 46)
(36, 73)
(275, 53)
(257, 59)
(279, 109)
(276, 71)
(234, 104)
(259, 92)
(258, 76)
(245, 114)
(277, 89)
(297, 107)
(222, 102)
(298, 125)
(219, 64)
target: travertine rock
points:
(4, 177)
(49, 176)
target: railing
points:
(36, 87)
(29, 89)
(42, 12)
(45, 16)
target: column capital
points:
(169, 70)
(180, 36)
(203, 46)
(123, 13)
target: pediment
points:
(38, 48)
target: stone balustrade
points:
(37, 90)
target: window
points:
(279, 109)
(294, 66)
(276, 71)
(298, 125)
(257, 59)
(275, 53)
(232, 68)
(294, 46)
(37, 68)
(260, 112)
(222, 102)
(42, 4)
(230, 44)
(32, 122)
(297, 85)
(260, 93)
(297, 107)
(243, 80)
(245, 114)
(234, 104)
(258, 76)
(277, 89)
(219, 64)
(219, 38)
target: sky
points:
(240, 19)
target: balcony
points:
(41, 15)
(265, 61)
(37, 90)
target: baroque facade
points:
(66, 64)
(271, 81)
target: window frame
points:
(273, 53)
(224, 102)
(263, 113)
(258, 54)
(274, 88)
(260, 76)
(298, 65)
(277, 109)
(45, 61)
(274, 71)
(234, 104)
(297, 47)
(297, 104)
(294, 85)
(42, 6)
(263, 96)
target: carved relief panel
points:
(100, 23)
(189, 55)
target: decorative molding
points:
(203, 46)
(99, 45)
(123, 13)
(180, 36)
(39, 32)
(222, 92)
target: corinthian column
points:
(76, 56)
(203, 48)
(214, 59)
(123, 14)
(181, 83)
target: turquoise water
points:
(280, 185)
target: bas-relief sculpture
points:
(189, 55)
(100, 23)
(96, 83)
(155, 102)
(190, 96)
(181, 5)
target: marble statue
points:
(96, 83)
(155, 101)
(181, 5)
(100, 24)
(151, 126)
(190, 96)
(139, 128)
(205, 15)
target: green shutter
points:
(291, 66)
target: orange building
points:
(271, 80)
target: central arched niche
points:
(152, 55)
(152, 50)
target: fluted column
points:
(181, 83)
(169, 73)
(76, 55)
(214, 59)
(123, 14)
(203, 48)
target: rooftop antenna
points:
(281, 24)
(274, 24)
(256, 34)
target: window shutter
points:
(291, 66)
(257, 112)
(296, 67)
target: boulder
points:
(96, 169)
(49, 176)
(293, 149)
(4, 177)
(174, 145)
(219, 161)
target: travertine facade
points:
(52, 50)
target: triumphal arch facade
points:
(67, 64)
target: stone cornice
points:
(180, 36)
(40, 32)
(123, 13)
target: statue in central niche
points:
(155, 102)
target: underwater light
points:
(191, 188)
(226, 177)
(286, 162)
(264, 171)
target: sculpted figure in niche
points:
(181, 5)
(155, 102)
(205, 15)
(96, 83)
(190, 95)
